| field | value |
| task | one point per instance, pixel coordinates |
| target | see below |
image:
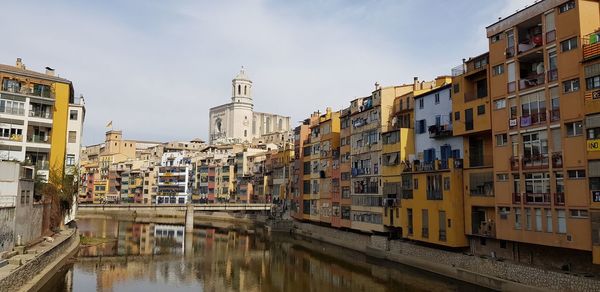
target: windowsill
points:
(572, 136)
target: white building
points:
(74, 133)
(433, 127)
(237, 122)
(174, 178)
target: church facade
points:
(237, 122)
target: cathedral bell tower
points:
(241, 88)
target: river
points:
(228, 257)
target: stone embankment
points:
(503, 276)
(33, 267)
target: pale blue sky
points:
(156, 67)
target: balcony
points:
(533, 119)
(434, 195)
(38, 90)
(440, 131)
(391, 202)
(40, 114)
(442, 235)
(591, 46)
(554, 115)
(531, 81)
(537, 199)
(485, 228)
(559, 199)
(510, 52)
(539, 161)
(530, 34)
(38, 139)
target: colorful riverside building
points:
(345, 171)
(34, 114)
(546, 187)
(299, 171)
(472, 112)
(369, 117)
(329, 130)
(397, 145)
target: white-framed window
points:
(73, 115)
(528, 218)
(502, 177)
(568, 45)
(517, 218)
(501, 139)
(72, 138)
(70, 160)
(437, 98)
(576, 174)
(571, 85)
(421, 103)
(577, 213)
(504, 212)
(566, 7)
(574, 129)
(498, 70)
(500, 104)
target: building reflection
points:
(236, 258)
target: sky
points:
(154, 68)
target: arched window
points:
(245, 133)
(280, 124)
(239, 89)
(245, 89)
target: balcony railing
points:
(559, 199)
(533, 119)
(434, 195)
(510, 52)
(485, 228)
(442, 235)
(41, 114)
(552, 75)
(29, 91)
(550, 36)
(535, 161)
(38, 139)
(516, 198)
(531, 81)
(391, 202)
(591, 46)
(554, 115)
(557, 160)
(537, 198)
(514, 163)
(440, 131)
(511, 87)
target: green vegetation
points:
(88, 240)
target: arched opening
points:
(239, 89)
(245, 89)
(245, 133)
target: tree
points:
(59, 191)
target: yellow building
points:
(329, 130)
(35, 110)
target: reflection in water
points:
(154, 257)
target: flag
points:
(109, 125)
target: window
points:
(528, 218)
(416, 183)
(421, 103)
(562, 221)
(456, 116)
(578, 213)
(517, 218)
(504, 211)
(70, 159)
(437, 98)
(421, 125)
(72, 137)
(500, 104)
(569, 44)
(501, 139)
(538, 219)
(574, 129)
(548, 220)
(496, 38)
(502, 177)
(498, 70)
(456, 88)
(73, 115)
(571, 85)
(566, 7)
(592, 82)
(481, 110)
(409, 217)
(469, 119)
(425, 223)
(576, 174)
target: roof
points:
(433, 90)
(30, 73)
(242, 75)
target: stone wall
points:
(24, 274)
(29, 222)
(7, 228)
(477, 270)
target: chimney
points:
(415, 83)
(20, 64)
(49, 71)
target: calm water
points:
(227, 257)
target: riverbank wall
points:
(491, 273)
(41, 264)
